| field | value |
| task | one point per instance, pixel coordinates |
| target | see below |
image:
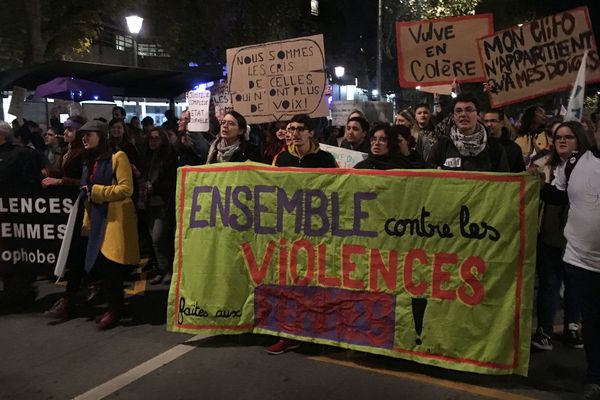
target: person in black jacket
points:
(468, 146)
(384, 152)
(304, 151)
(356, 137)
(233, 143)
(493, 120)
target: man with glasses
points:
(493, 120)
(304, 151)
(468, 146)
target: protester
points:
(423, 131)
(53, 152)
(405, 118)
(147, 126)
(160, 178)
(233, 144)
(569, 138)
(72, 160)
(581, 180)
(531, 136)
(468, 146)
(119, 113)
(18, 164)
(356, 135)
(119, 139)
(384, 152)
(135, 122)
(275, 140)
(192, 148)
(493, 121)
(303, 152)
(406, 147)
(110, 219)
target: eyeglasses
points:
(564, 137)
(228, 123)
(292, 129)
(377, 139)
(467, 110)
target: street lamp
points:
(339, 71)
(134, 24)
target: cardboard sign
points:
(375, 111)
(413, 264)
(277, 80)
(16, 102)
(438, 51)
(221, 100)
(341, 110)
(199, 103)
(539, 57)
(345, 158)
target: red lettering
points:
(439, 276)
(332, 281)
(348, 266)
(310, 262)
(412, 256)
(377, 267)
(476, 287)
(258, 273)
(282, 262)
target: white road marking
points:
(126, 378)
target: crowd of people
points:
(127, 175)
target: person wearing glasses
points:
(304, 150)
(493, 120)
(192, 147)
(233, 143)
(468, 146)
(385, 151)
(569, 138)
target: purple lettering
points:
(359, 214)
(319, 211)
(258, 208)
(195, 223)
(234, 219)
(289, 205)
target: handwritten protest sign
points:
(199, 103)
(416, 264)
(274, 81)
(374, 111)
(345, 158)
(221, 100)
(438, 51)
(539, 57)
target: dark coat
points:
(491, 159)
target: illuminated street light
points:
(134, 24)
(339, 71)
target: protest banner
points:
(33, 222)
(221, 100)
(438, 51)
(426, 265)
(341, 109)
(276, 80)
(345, 158)
(199, 103)
(16, 102)
(539, 57)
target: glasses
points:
(292, 129)
(376, 139)
(228, 123)
(467, 110)
(564, 137)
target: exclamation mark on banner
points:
(418, 311)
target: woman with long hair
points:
(110, 219)
(233, 143)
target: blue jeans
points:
(587, 286)
(551, 274)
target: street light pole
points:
(134, 24)
(379, 51)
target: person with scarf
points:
(384, 151)
(468, 145)
(233, 143)
(110, 220)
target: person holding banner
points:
(233, 143)
(355, 137)
(578, 185)
(383, 153)
(468, 146)
(304, 151)
(110, 219)
(532, 138)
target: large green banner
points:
(425, 265)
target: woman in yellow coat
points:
(110, 219)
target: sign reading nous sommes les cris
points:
(274, 81)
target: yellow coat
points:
(120, 243)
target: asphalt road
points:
(139, 359)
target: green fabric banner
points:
(431, 266)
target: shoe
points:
(591, 391)
(157, 280)
(108, 320)
(282, 346)
(541, 341)
(167, 279)
(59, 310)
(572, 336)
